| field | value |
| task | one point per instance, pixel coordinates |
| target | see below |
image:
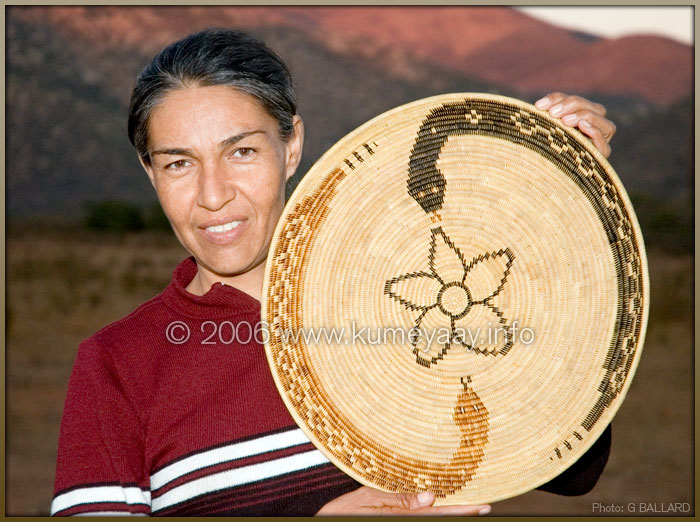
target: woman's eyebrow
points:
(172, 152)
(225, 143)
(238, 137)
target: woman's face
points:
(219, 168)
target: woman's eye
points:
(177, 165)
(244, 152)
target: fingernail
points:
(485, 510)
(424, 498)
(586, 123)
(570, 119)
(556, 110)
(543, 103)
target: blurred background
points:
(87, 242)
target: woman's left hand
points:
(587, 116)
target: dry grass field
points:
(64, 283)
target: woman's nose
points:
(216, 186)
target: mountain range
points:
(70, 69)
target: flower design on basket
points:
(455, 297)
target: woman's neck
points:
(249, 282)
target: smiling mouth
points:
(223, 228)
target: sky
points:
(672, 21)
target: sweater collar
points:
(220, 301)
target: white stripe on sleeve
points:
(238, 450)
(99, 494)
(239, 476)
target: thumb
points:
(424, 498)
(407, 501)
(413, 501)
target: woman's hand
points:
(370, 501)
(588, 116)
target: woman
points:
(161, 416)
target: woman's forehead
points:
(205, 113)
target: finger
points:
(403, 501)
(417, 504)
(465, 511)
(550, 100)
(596, 136)
(572, 104)
(559, 104)
(606, 127)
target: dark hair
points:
(207, 58)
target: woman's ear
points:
(294, 146)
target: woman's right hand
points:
(370, 501)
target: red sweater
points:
(153, 426)
(159, 426)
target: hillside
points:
(493, 44)
(69, 72)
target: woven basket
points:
(481, 280)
